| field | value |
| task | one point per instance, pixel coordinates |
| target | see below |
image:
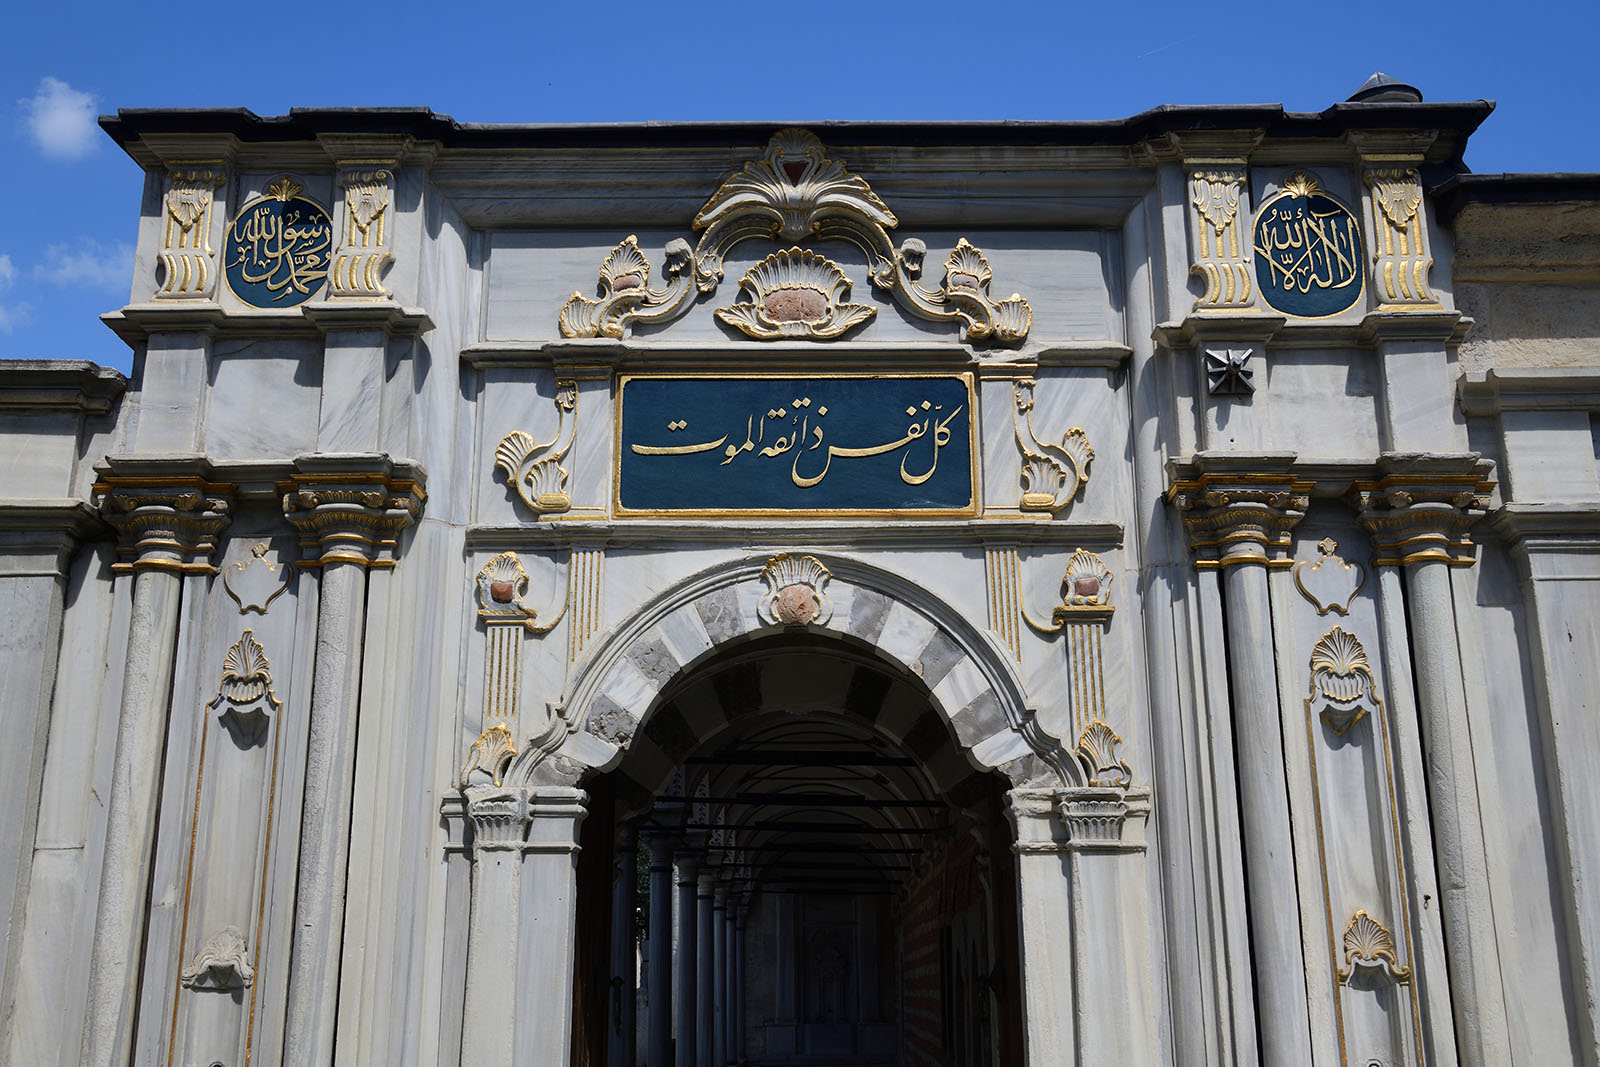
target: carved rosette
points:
(245, 702)
(1330, 584)
(533, 468)
(1369, 946)
(796, 591)
(222, 965)
(1052, 475)
(353, 515)
(795, 193)
(365, 247)
(1228, 372)
(1399, 237)
(1341, 680)
(169, 524)
(1236, 518)
(795, 294)
(1427, 514)
(1221, 254)
(187, 258)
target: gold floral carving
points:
(1221, 253)
(490, 754)
(795, 294)
(1097, 751)
(1368, 945)
(186, 253)
(1330, 584)
(796, 591)
(364, 250)
(794, 193)
(1341, 680)
(1052, 475)
(1399, 239)
(535, 469)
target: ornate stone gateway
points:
(674, 597)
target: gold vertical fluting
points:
(1221, 255)
(1004, 572)
(186, 253)
(1399, 237)
(364, 248)
(586, 572)
(503, 671)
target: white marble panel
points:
(263, 400)
(1323, 402)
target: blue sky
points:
(69, 197)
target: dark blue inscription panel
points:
(277, 251)
(1308, 254)
(838, 443)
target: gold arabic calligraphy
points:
(796, 429)
(1303, 247)
(282, 246)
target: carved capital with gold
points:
(352, 508)
(1238, 514)
(167, 514)
(1422, 508)
(499, 818)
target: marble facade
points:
(374, 691)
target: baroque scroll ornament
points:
(245, 702)
(796, 591)
(1330, 584)
(1341, 680)
(795, 294)
(794, 193)
(1368, 946)
(535, 469)
(1051, 474)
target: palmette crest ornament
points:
(502, 585)
(222, 964)
(245, 701)
(534, 468)
(1368, 946)
(796, 591)
(625, 295)
(795, 294)
(1341, 680)
(1052, 475)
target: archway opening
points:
(808, 800)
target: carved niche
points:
(795, 193)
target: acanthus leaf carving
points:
(533, 468)
(1052, 475)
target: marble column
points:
(349, 510)
(1239, 511)
(623, 992)
(688, 1015)
(705, 988)
(719, 975)
(1418, 514)
(499, 820)
(659, 1039)
(1045, 903)
(736, 1002)
(167, 514)
(550, 872)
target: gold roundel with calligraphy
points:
(1308, 251)
(277, 249)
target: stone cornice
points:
(136, 322)
(351, 507)
(1422, 506)
(1563, 526)
(1239, 508)
(1530, 389)
(168, 510)
(76, 385)
(38, 537)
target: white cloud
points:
(61, 120)
(86, 263)
(7, 271)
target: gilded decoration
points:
(1399, 238)
(795, 193)
(186, 252)
(490, 755)
(364, 247)
(255, 583)
(1308, 251)
(796, 591)
(171, 527)
(277, 251)
(1221, 254)
(1052, 475)
(1341, 680)
(1369, 946)
(245, 702)
(1233, 518)
(533, 468)
(1085, 592)
(1097, 752)
(1330, 584)
(1427, 515)
(1002, 568)
(795, 294)
(352, 516)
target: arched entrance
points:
(823, 884)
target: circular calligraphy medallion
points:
(277, 250)
(1308, 251)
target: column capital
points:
(1239, 509)
(1422, 506)
(499, 817)
(168, 511)
(351, 507)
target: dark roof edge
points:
(128, 125)
(1451, 197)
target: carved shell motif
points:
(246, 675)
(1369, 945)
(1341, 677)
(795, 590)
(796, 294)
(501, 586)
